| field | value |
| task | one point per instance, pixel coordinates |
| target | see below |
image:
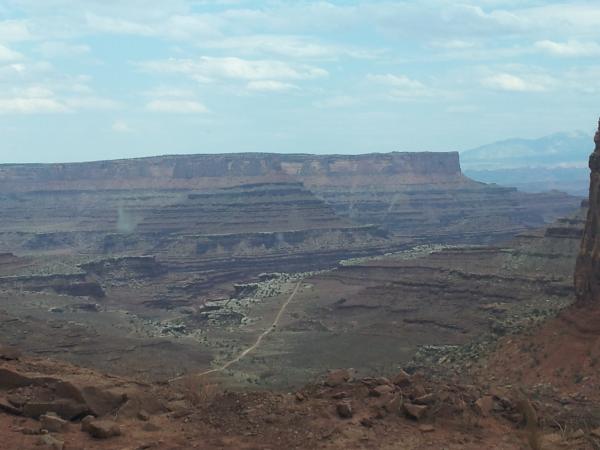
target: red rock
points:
(67, 409)
(53, 423)
(427, 399)
(338, 377)
(401, 379)
(381, 390)
(10, 379)
(415, 411)
(100, 429)
(344, 410)
(8, 408)
(485, 405)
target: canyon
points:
(213, 290)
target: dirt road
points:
(258, 341)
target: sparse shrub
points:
(199, 389)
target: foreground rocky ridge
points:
(44, 404)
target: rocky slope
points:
(559, 359)
(50, 405)
(587, 281)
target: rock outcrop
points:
(587, 272)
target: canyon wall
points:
(214, 171)
(422, 195)
(587, 279)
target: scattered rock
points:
(300, 397)
(381, 390)
(427, 399)
(595, 433)
(100, 429)
(414, 411)
(53, 423)
(143, 416)
(150, 427)
(7, 407)
(337, 377)
(401, 379)
(394, 405)
(339, 395)
(485, 405)
(344, 410)
(16, 400)
(382, 381)
(51, 442)
(426, 428)
(67, 409)
(366, 422)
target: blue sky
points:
(96, 79)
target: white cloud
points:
(514, 83)
(114, 25)
(207, 69)
(176, 106)
(340, 101)
(62, 49)
(269, 86)
(6, 54)
(401, 86)
(454, 44)
(298, 47)
(31, 105)
(14, 31)
(570, 48)
(120, 126)
(91, 103)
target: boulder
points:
(10, 379)
(427, 399)
(338, 377)
(381, 390)
(402, 379)
(485, 405)
(344, 410)
(65, 408)
(137, 402)
(50, 441)
(53, 423)
(100, 429)
(102, 401)
(9, 408)
(414, 411)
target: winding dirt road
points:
(258, 341)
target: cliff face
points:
(587, 272)
(213, 171)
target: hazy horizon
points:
(95, 80)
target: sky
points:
(84, 80)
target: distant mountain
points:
(554, 162)
(553, 151)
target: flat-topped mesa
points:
(587, 281)
(215, 171)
